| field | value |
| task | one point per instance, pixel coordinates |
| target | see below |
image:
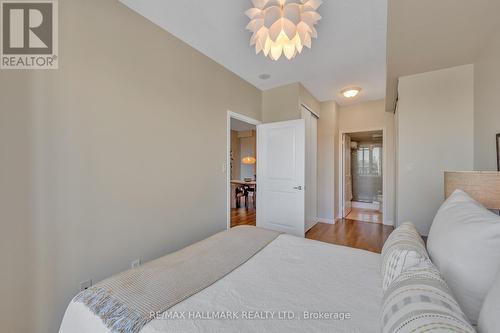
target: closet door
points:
(311, 123)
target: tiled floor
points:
(365, 215)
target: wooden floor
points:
(362, 235)
(243, 216)
(365, 215)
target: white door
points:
(347, 174)
(280, 176)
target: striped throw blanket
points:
(125, 302)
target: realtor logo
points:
(29, 35)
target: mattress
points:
(292, 285)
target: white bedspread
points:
(287, 278)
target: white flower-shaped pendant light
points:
(283, 26)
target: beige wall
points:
(16, 201)
(368, 116)
(285, 103)
(306, 98)
(327, 170)
(281, 103)
(101, 158)
(435, 133)
(486, 104)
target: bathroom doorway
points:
(363, 176)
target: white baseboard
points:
(329, 221)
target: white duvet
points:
(292, 285)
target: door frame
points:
(227, 166)
(315, 115)
(384, 169)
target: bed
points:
(248, 279)
(289, 276)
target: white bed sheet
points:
(292, 275)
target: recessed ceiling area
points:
(350, 49)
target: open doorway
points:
(242, 170)
(363, 176)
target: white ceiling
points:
(238, 125)
(427, 35)
(350, 49)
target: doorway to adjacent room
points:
(242, 158)
(363, 176)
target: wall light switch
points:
(85, 284)
(136, 263)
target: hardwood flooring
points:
(243, 216)
(362, 235)
(365, 215)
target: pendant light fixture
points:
(283, 26)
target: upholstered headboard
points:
(483, 186)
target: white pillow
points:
(464, 243)
(489, 318)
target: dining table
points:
(236, 183)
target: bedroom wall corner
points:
(285, 103)
(435, 134)
(306, 98)
(281, 103)
(327, 161)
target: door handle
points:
(298, 188)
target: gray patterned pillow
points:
(403, 249)
(419, 300)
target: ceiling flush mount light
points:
(350, 92)
(283, 26)
(264, 76)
